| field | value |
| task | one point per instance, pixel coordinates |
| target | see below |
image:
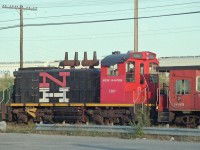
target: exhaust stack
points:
(71, 63)
(90, 63)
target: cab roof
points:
(114, 59)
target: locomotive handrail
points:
(139, 91)
(8, 101)
(1, 101)
(8, 98)
(147, 87)
(2, 98)
(158, 96)
(145, 93)
(168, 98)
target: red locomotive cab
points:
(126, 78)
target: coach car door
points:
(181, 98)
(197, 94)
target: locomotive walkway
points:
(119, 129)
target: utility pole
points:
(135, 25)
(21, 8)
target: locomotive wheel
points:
(98, 119)
(107, 122)
(190, 121)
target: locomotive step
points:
(163, 117)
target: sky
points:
(175, 35)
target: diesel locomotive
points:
(114, 93)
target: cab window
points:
(182, 87)
(130, 72)
(152, 68)
(141, 73)
(113, 70)
(153, 78)
(198, 84)
(153, 73)
(141, 69)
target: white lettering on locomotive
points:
(106, 80)
(179, 104)
(45, 87)
(46, 95)
(112, 80)
(116, 80)
(112, 91)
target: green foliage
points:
(143, 120)
(20, 128)
(6, 82)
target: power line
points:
(171, 32)
(91, 13)
(89, 4)
(10, 20)
(92, 34)
(175, 28)
(77, 3)
(170, 5)
(78, 38)
(168, 9)
(106, 36)
(99, 21)
(110, 33)
(167, 15)
(78, 14)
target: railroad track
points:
(119, 129)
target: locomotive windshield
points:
(153, 72)
(152, 68)
(151, 56)
(130, 72)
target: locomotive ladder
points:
(163, 116)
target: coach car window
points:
(182, 87)
(130, 72)
(113, 70)
(198, 84)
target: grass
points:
(20, 128)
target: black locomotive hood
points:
(114, 59)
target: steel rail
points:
(119, 129)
